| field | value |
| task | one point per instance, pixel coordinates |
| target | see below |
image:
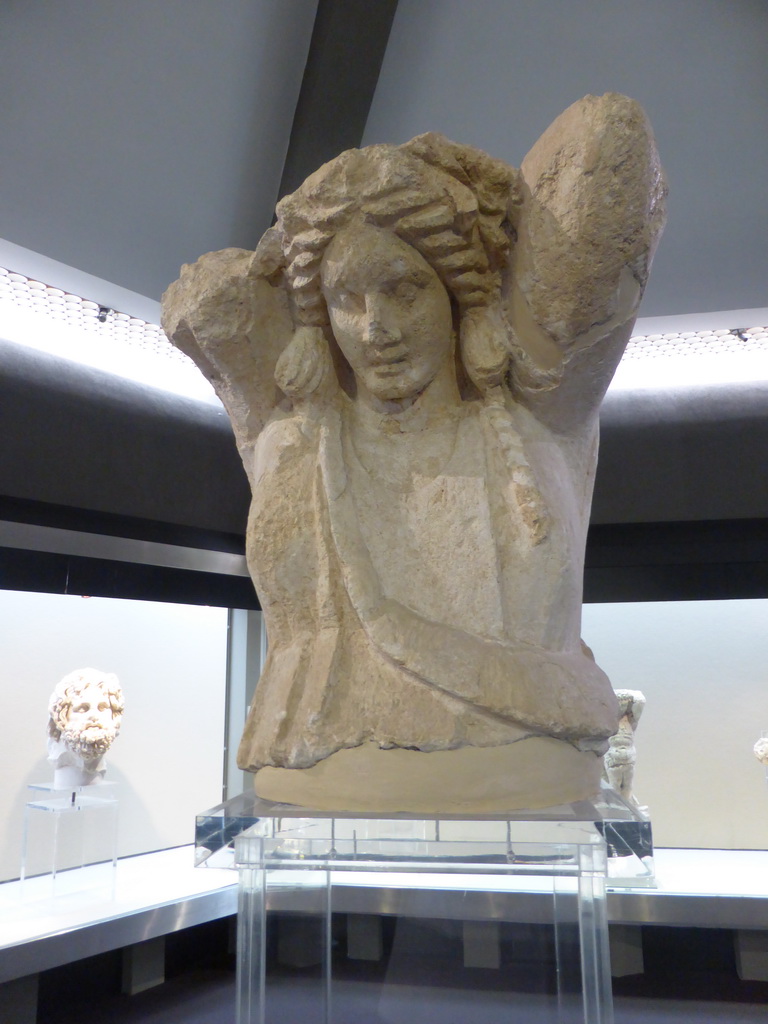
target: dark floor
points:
(690, 978)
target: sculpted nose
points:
(380, 326)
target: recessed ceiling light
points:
(48, 319)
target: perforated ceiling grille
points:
(736, 341)
(75, 311)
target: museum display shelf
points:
(299, 873)
(699, 889)
(154, 894)
(162, 892)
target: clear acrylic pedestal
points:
(345, 919)
(66, 830)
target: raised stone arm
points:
(591, 214)
(224, 313)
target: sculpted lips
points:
(385, 356)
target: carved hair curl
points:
(70, 688)
(455, 205)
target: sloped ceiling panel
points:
(137, 136)
(495, 74)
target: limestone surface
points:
(413, 360)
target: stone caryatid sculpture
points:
(85, 712)
(413, 359)
(621, 757)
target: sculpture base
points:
(530, 774)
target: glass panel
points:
(395, 920)
(66, 830)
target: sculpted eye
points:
(405, 289)
(347, 300)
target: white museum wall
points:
(703, 667)
(171, 662)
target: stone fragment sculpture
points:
(621, 757)
(85, 713)
(760, 750)
(413, 360)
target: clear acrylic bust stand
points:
(402, 918)
(69, 841)
(629, 840)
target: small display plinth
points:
(630, 853)
(403, 919)
(66, 830)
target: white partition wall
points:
(171, 662)
(703, 667)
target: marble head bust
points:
(413, 361)
(85, 713)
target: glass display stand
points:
(629, 840)
(66, 831)
(627, 833)
(396, 919)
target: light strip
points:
(51, 320)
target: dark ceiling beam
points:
(349, 40)
(683, 454)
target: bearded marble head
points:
(85, 710)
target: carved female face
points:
(389, 311)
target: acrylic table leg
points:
(593, 932)
(251, 961)
(566, 923)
